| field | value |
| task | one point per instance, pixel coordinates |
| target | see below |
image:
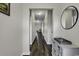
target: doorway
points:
(41, 20)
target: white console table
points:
(64, 50)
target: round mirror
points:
(69, 17)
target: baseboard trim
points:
(25, 55)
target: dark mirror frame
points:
(75, 21)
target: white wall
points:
(72, 34)
(58, 31)
(11, 32)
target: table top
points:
(66, 46)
